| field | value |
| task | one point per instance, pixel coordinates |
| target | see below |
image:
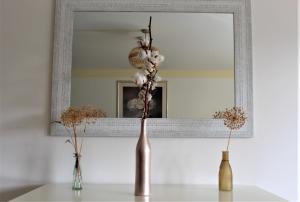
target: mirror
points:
(207, 67)
(198, 71)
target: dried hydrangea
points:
(234, 118)
(74, 116)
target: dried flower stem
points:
(75, 139)
(229, 139)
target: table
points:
(95, 192)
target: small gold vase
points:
(225, 173)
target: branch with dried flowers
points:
(147, 78)
(71, 118)
(233, 118)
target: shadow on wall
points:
(11, 193)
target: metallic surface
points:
(143, 163)
(225, 173)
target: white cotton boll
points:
(157, 78)
(154, 85)
(155, 53)
(152, 104)
(132, 104)
(149, 97)
(154, 61)
(150, 69)
(139, 79)
(149, 66)
(135, 104)
(140, 104)
(145, 42)
(146, 72)
(143, 54)
(139, 43)
(141, 94)
(161, 58)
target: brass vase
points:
(143, 163)
(225, 173)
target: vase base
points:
(144, 195)
(225, 190)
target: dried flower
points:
(234, 119)
(74, 116)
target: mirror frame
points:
(165, 127)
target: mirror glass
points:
(197, 74)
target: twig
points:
(229, 140)
(150, 34)
(150, 78)
(75, 138)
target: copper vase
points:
(225, 173)
(143, 163)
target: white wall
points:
(275, 93)
(30, 157)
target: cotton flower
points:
(149, 97)
(140, 104)
(157, 78)
(135, 104)
(144, 42)
(157, 59)
(139, 78)
(145, 54)
(146, 72)
(142, 94)
(149, 66)
(155, 53)
(146, 58)
(154, 85)
(161, 58)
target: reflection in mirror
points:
(198, 71)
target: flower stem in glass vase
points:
(77, 177)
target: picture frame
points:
(128, 105)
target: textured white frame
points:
(115, 127)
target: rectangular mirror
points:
(199, 65)
(207, 49)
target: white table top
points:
(94, 192)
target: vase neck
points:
(143, 126)
(225, 155)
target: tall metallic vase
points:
(225, 173)
(143, 163)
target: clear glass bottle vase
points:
(77, 177)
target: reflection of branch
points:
(150, 77)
